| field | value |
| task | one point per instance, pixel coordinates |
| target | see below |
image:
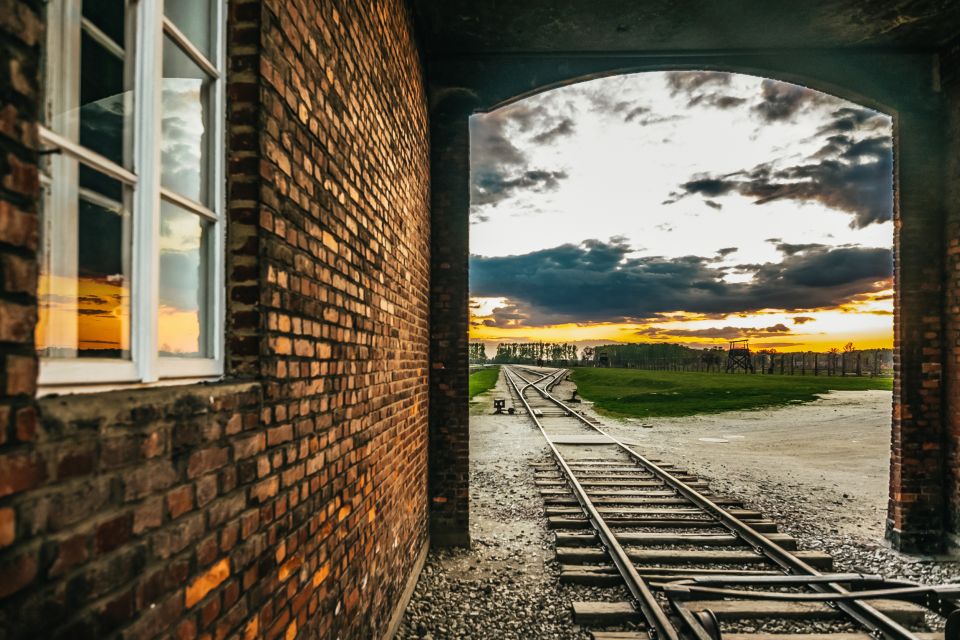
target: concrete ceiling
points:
(622, 26)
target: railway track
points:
(696, 566)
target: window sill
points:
(51, 390)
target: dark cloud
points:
(690, 82)
(727, 251)
(597, 281)
(506, 316)
(803, 319)
(499, 168)
(564, 128)
(701, 88)
(635, 113)
(655, 119)
(718, 100)
(791, 249)
(725, 333)
(713, 205)
(491, 188)
(781, 100)
(850, 175)
(849, 119)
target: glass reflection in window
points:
(84, 287)
(193, 18)
(184, 153)
(182, 322)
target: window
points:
(131, 269)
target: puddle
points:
(716, 440)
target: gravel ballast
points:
(507, 586)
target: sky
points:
(85, 295)
(688, 207)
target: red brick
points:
(17, 227)
(19, 274)
(20, 471)
(113, 533)
(148, 515)
(206, 582)
(180, 501)
(250, 446)
(23, 177)
(206, 490)
(17, 572)
(75, 461)
(8, 526)
(16, 323)
(21, 375)
(205, 461)
(26, 424)
(186, 630)
(70, 553)
(19, 20)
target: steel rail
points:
(657, 619)
(686, 592)
(867, 615)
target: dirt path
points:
(829, 457)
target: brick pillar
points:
(916, 513)
(950, 74)
(244, 124)
(22, 467)
(449, 321)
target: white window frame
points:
(146, 28)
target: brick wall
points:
(950, 76)
(916, 509)
(450, 368)
(344, 300)
(290, 499)
(22, 468)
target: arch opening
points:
(594, 217)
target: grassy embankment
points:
(483, 380)
(642, 394)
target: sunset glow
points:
(683, 207)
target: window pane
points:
(106, 99)
(183, 326)
(184, 153)
(84, 286)
(108, 16)
(193, 18)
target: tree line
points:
(527, 353)
(846, 360)
(836, 361)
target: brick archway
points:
(898, 84)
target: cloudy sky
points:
(690, 207)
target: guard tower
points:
(738, 356)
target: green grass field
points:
(642, 394)
(483, 380)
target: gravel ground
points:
(819, 470)
(506, 585)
